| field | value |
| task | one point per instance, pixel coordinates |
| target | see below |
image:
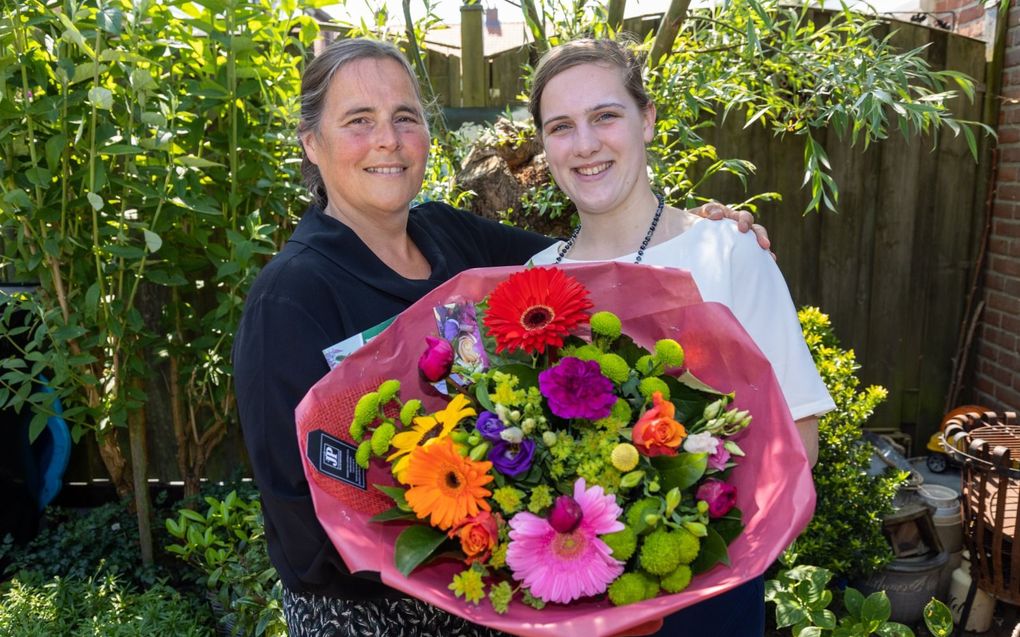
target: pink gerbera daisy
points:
(562, 567)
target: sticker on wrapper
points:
(335, 458)
(458, 324)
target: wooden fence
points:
(892, 268)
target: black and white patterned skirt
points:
(319, 616)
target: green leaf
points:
(823, 618)
(415, 545)
(397, 494)
(396, 513)
(19, 198)
(195, 162)
(101, 97)
(36, 427)
(54, 149)
(853, 601)
(152, 240)
(788, 614)
(893, 629)
(109, 20)
(681, 471)
(713, 551)
(95, 200)
(938, 618)
(121, 149)
(876, 607)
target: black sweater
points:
(324, 286)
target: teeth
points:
(594, 170)
(386, 171)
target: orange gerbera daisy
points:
(445, 485)
(534, 309)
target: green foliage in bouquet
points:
(227, 546)
(802, 597)
(845, 534)
(32, 605)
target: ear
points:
(648, 126)
(309, 141)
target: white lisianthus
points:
(513, 435)
(703, 442)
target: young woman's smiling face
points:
(594, 135)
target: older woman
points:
(360, 255)
(595, 118)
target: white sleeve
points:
(761, 302)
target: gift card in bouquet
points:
(457, 323)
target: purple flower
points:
(437, 359)
(512, 459)
(719, 495)
(577, 389)
(489, 425)
(719, 459)
(451, 328)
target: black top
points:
(324, 286)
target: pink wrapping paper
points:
(774, 487)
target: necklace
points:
(644, 244)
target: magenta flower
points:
(566, 514)
(719, 459)
(436, 361)
(577, 389)
(562, 567)
(719, 495)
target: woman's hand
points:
(745, 221)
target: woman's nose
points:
(586, 141)
(387, 135)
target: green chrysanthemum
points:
(587, 352)
(652, 384)
(678, 580)
(669, 352)
(409, 411)
(651, 586)
(498, 557)
(357, 430)
(659, 553)
(688, 546)
(468, 584)
(630, 588)
(541, 499)
(381, 438)
(387, 390)
(500, 596)
(647, 366)
(622, 544)
(509, 499)
(606, 324)
(636, 512)
(367, 408)
(363, 453)
(614, 368)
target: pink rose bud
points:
(719, 495)
(719, 459)
(437, 359)
(566, 514)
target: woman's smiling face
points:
(372, 142)
(594, 135)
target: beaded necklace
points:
(644, 244)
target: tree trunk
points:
(115, 463)
(139, 471)
(615, 14)
(668, 29)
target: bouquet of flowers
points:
(553, 455)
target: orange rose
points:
(656, 432)
(478, 536)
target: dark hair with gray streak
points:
(315, 84)
(587, 51)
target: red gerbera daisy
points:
(535, 308)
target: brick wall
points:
(996, 377)
(966, 17)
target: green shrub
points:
(101, 606)
(227, 546)
(78, 545)
(845, 535)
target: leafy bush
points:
(802, 599)
(77, 545)
(33, 605)
(845, 534)
(227, 546)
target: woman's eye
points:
(602, 117)
(557, 128)
(358, 121)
